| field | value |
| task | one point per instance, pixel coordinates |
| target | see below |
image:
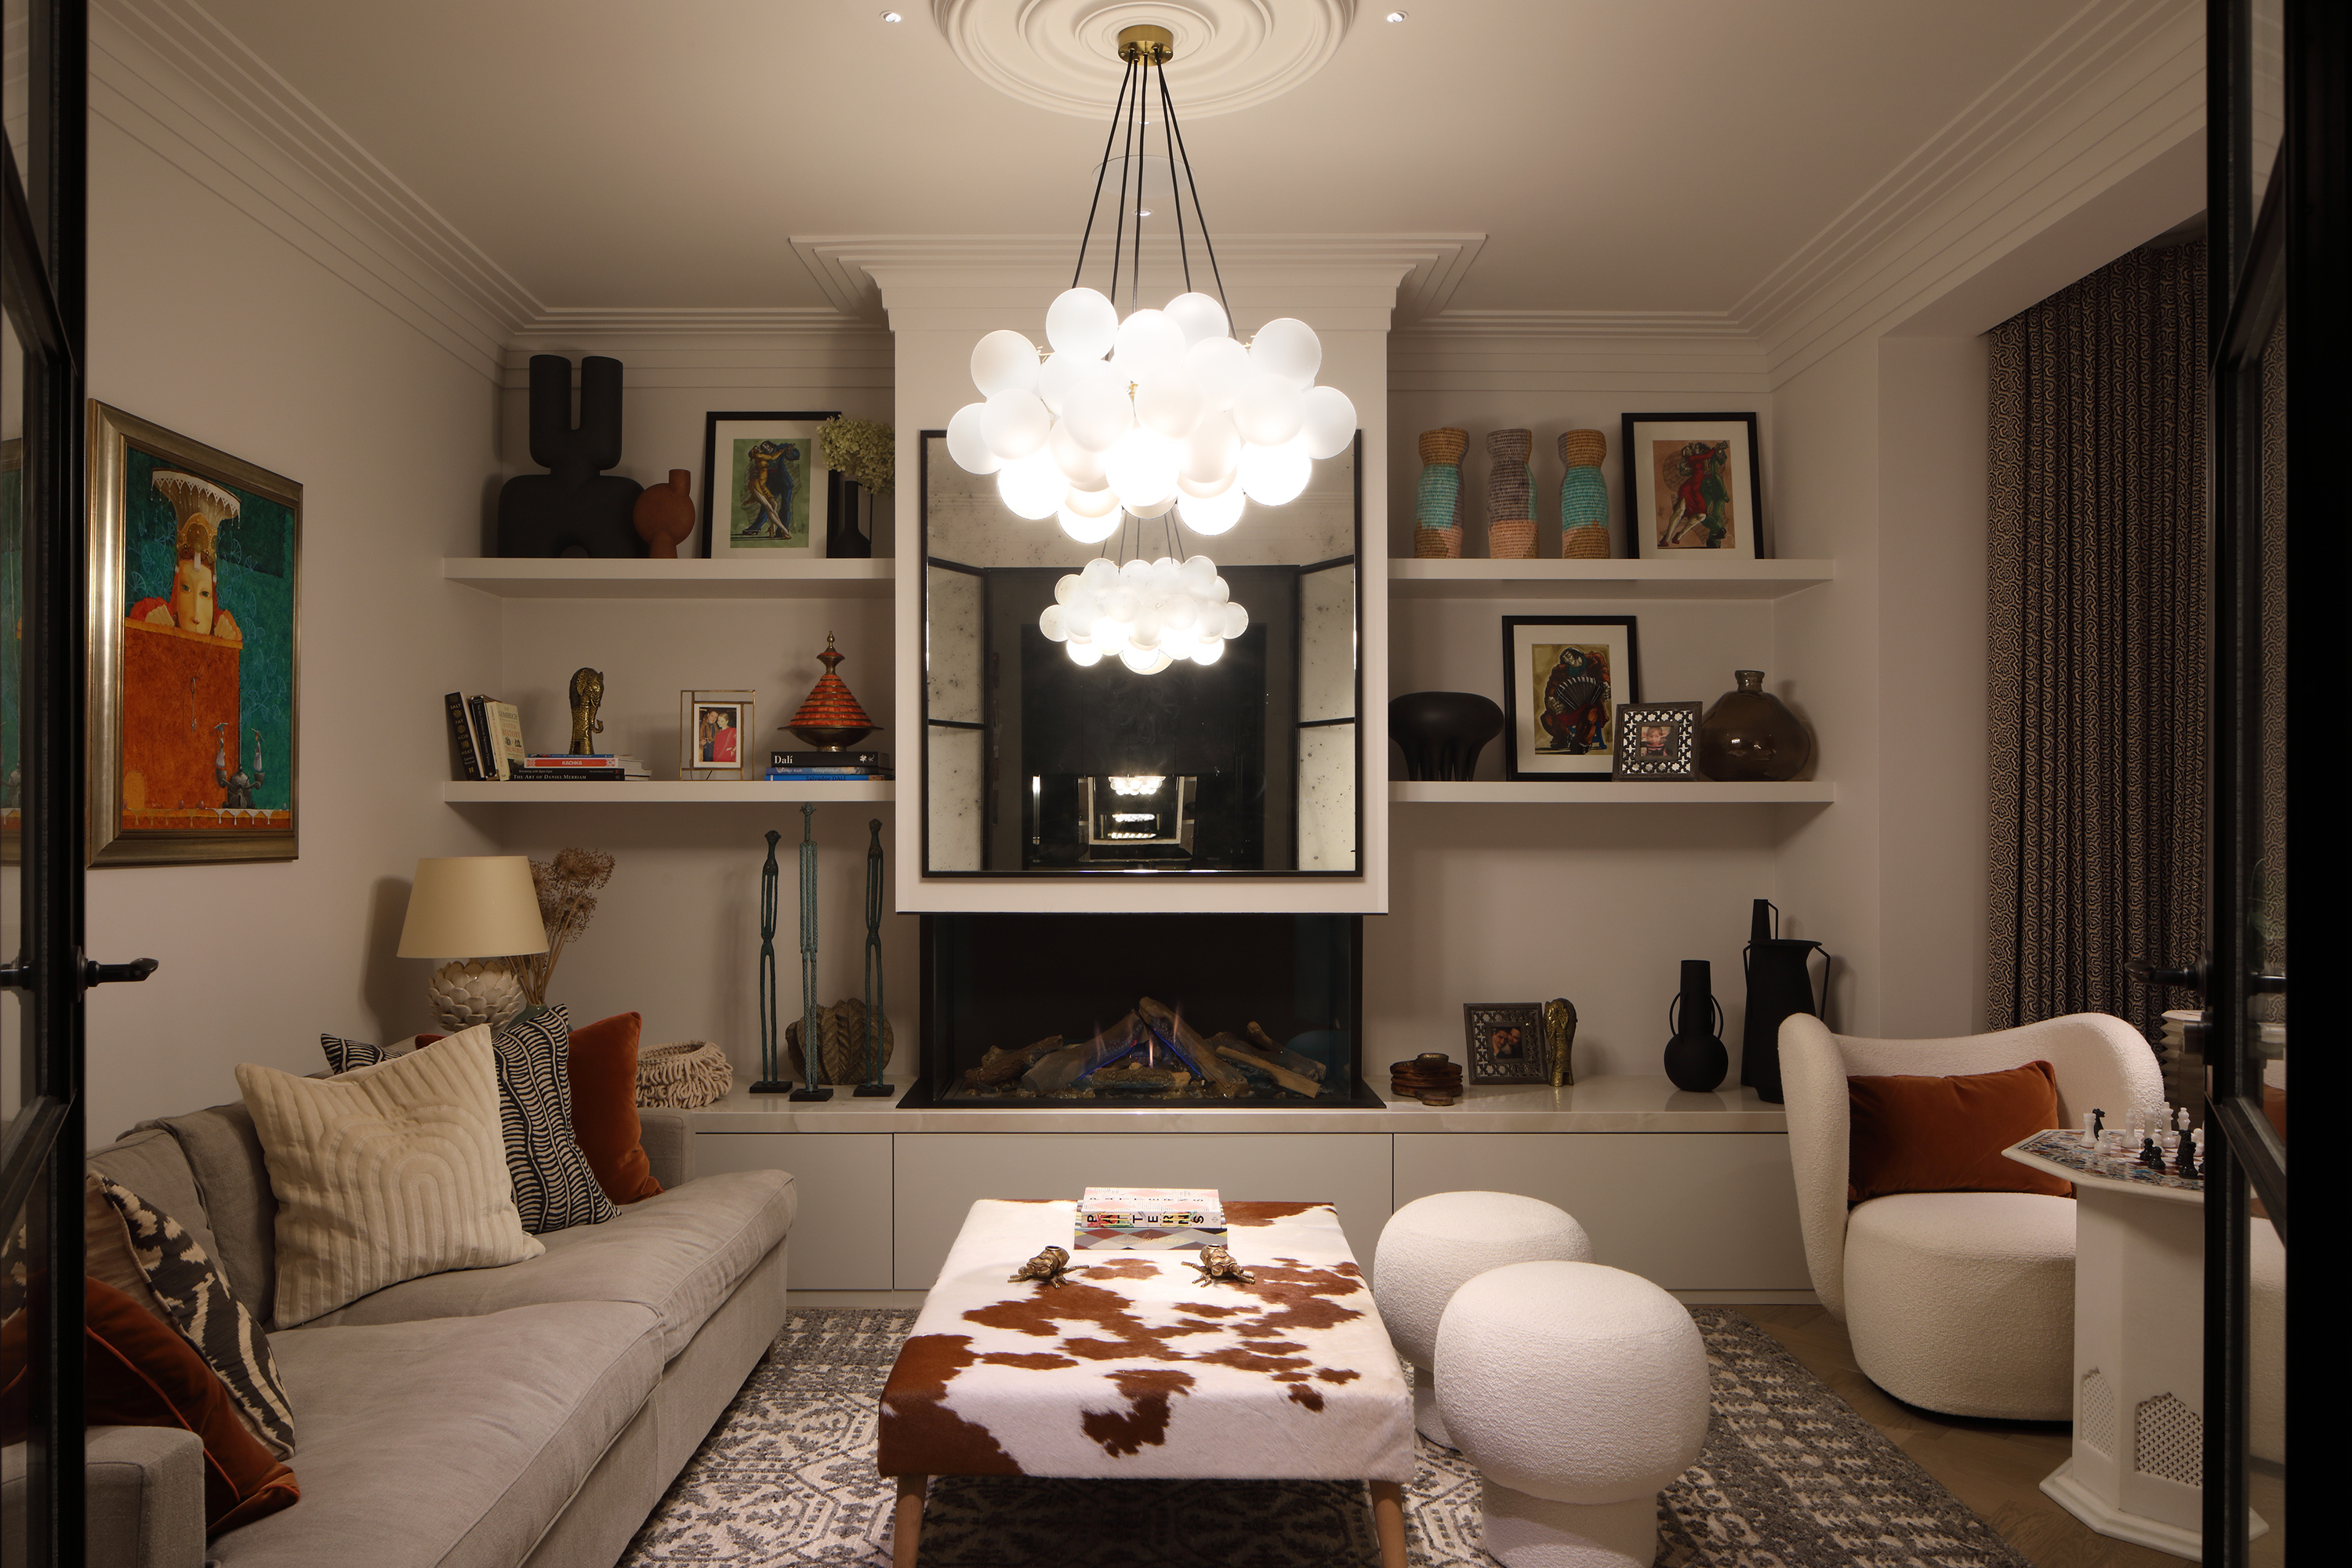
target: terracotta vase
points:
(665, 515)
(1510, 496)
(1750, 737)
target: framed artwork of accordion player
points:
(1564, 677)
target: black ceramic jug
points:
(1695, 1057)
(1779, 983)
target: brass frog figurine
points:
(1217, 1264)
(1047, 1268)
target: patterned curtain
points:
(2095, 650)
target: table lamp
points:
(484, 905)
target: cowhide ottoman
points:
(1134, 1368)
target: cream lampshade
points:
(479, 905)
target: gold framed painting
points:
(195, 562)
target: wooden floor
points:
(1994, 1467)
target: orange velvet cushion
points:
(143, 1374)
(1916, 1134)
(603, 1067)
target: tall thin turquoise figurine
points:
(770, 1081)
(809, 1037)
(873, 1085)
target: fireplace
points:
(1238, 1010)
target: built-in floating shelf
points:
(660, 792)
(1606, 791)
(1677, 577)
(578, 579)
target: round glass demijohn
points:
(1750, 737)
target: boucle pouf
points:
(1579, 1392)
(1433, 1246)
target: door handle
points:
(96, 973)
(2189, 979)
(2267, 984)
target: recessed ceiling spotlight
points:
(1396, 15)
(892, 16)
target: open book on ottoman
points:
(1150, 1219)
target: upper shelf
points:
(581, 579)
(1693, 577)
(659, 791)
(1610, 791)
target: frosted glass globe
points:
(1148, 629)
(1081, 323)
(1213, 515)
(1083, 609)
(1062, 375)
(1215, 487)
(1163, 575)
(1141, 467)
(1004, 360)
(1097, 409)
(1150, 345)
(1135, 574)
(1198, 314)
(1032, 487)
(1272, 475)
(1085, 653)
(1267, 410)
(1179, 642)
(1092, 503)
(1144, 663)
(1087, 530)
(1209, 650)
(966, 443)
(1098, 574)
(1237, 621)
(1110, 635)
(1219, 591)
(1198, 572)
(1014, 423)
(1170, 405)
(1082, 468)
(1287, 347)
(1147, 511)
(1219, 365)
(1180, 610)
(1049, 621)
(1123, 603)
(1212, 450)
(1330, 422)
(1064, 586)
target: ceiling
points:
(1665, 156)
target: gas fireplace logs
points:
(1151, 1052)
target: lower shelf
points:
(1608, 792)
(664, 792)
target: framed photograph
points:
(1505, 1043)
(714, 734)
(763, 491)
(1564, 677)
(1691, 483)
(196, 562)
(1657, 741)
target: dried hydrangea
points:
(567, 888)
(865, 450)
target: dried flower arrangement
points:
(865, 450)
(567, 888)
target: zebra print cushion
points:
(196, 1301)
(343, 1055)
(554, 1188)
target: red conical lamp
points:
(830, 719)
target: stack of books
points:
(835, 766)
(1150, 1219)
(486, 736)
(610, 766)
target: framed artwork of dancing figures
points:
(764, 494)
(1691, 484)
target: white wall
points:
(205, 321)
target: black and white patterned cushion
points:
(343, 1055)
(197, 1301)
(554, 1188)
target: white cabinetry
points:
(841, 1238)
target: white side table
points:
(2136, 1472)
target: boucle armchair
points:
(1959, 1302)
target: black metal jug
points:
(1779, 983)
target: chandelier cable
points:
(1126, 161)
(1168, 108)
(1079, 272)
(1142, 132)
(1183, 252)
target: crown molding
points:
(689, 321)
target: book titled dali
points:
(1150, 1219)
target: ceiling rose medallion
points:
(1164, 409)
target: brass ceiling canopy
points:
(1151, 45)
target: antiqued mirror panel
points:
(1034, 763)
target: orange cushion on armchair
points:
(1918, 1135)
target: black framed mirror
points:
(1037, 763)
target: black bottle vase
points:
(1780, 982)
(1695, 1057)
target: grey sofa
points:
(481, 1418)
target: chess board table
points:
(1135, 1369)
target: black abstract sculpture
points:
(1442, 733)
(575, 504)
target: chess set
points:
(2165, 1154)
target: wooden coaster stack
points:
(1432, 1078)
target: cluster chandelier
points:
(1148, 614)
(1164, 408)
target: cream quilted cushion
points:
(385, 1173)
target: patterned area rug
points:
(1791, 1478)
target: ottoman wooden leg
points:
(1387, 1522)
(907, 1524)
